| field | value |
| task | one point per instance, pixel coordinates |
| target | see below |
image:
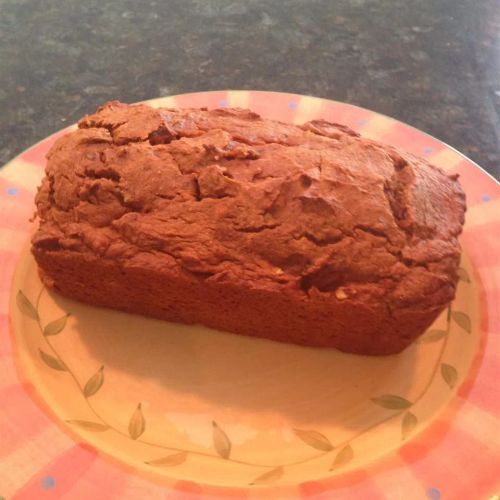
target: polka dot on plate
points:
(48, 482)
(12, 191)
(362, 122)
(486, 198)
(292, 105)
(223, 103)
(428, 151)
(433, 494)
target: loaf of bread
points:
(307, 234)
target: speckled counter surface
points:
(433, 64)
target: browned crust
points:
(306, 234)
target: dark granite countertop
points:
(432, 63)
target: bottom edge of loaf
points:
(255, 313)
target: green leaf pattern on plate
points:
(52, 361)
(137, 424)
(269, 477)
(408, 423)
(314, 439)
(25, 306)
(170, 460)
(94, 383)
(89, 426)
(392, 402)
(56, 326)
(222, 444)
(463, 275)
(433, 336)
(462, 320)
(449, 374)
(343, 457)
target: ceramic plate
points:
(100, 404)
